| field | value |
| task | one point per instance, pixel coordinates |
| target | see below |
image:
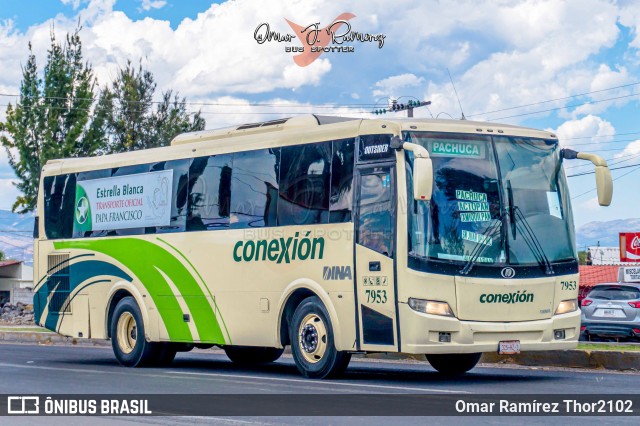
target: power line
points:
(601, 136)
(614, 168)
(554, 100)
(620, 160)
(616, 178)
(602, 143)
(226, 104)
(565, 107)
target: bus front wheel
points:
(248, 355)
(128, 338)
(453, 364)
(312, 341)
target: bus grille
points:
(58, 284)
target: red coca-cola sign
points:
(630, 246)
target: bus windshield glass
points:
(496, 200)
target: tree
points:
(52, 117)
(130, 120)
(56, 115)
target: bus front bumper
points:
(423, 333)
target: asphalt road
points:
(29, 369)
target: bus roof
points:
(282, 132)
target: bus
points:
(331, 235)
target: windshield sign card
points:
(456, 148)
(554, 204)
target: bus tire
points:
(453, 364)
(128, 338)
(248, 355)
(312, 341)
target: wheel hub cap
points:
(312, 338)
(127, 332)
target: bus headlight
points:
(567, 306)
(430, 307)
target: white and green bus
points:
(332, 235)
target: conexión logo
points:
(315, 40)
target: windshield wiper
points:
(480, 248)
(512, 211)
(528, 235)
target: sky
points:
(570, 67)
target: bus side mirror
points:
(604, 185)
(422, 179)
(422, 172)
(604, 182)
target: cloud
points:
(631, 150)
(73, 3)
(151, 4)
(8, 193)
(215, 52)
(391, 86)
(589, 129)
(227, 111)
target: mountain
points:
(606, 232)
(16, 236)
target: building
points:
(605, 256)
(16, 282)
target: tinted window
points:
(59, 200)
(209, 193)
(615, 293)
(463, 215)
(304, 184)
(341, 199)
(254, 188)
(375, 220)
(178, 193)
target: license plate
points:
(507, 347)
(610, 313)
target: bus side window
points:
(178, 194)
(375, 221)
(209, 193)
(254, 188)
(341, 199)
(59, 205)
(304, 184)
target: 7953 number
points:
(376, 296)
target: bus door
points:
(375, 262)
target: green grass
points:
(609, 347)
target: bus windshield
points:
(496, 200)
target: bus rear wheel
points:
(312, 341)
(248, 355)
(453, 364)
(128, 337)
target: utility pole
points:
(395, 107)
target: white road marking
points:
(319, 382)
(240, 376)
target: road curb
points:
(45, 338)
(589, 359)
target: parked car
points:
(611, 311)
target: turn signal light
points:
(634, 304)
(586, 302)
